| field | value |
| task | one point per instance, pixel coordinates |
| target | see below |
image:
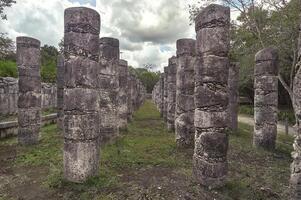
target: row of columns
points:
(207, 96)
(193, 95)
(96, 94)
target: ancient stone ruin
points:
(233, 83)
(266, 98)
(109, 86)
(60, 91)
(81, 94)
(122, 94)
(171, 92)
(29, 100)
(211, 95)
(165, 94)
(184, 111)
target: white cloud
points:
(147, 30)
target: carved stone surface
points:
(129, 97)
(81, 94)
(211, 96)
(184, 115)
(171, 92)
(295, 179)
(165, 94)
(122, 95)
(60, 91)
(233, 83)
(266, 98)
(29, 84)
(109, 86)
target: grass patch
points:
(147, 145)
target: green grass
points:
(147, 144)
(283, 113)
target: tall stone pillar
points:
(161, 95)
(60, 91)
(211, 95)
(295, 179)
(233, 83)
(171, 92)
(266, 98)
(129, 97)
(122, 97)
(109, 87)
(165, 94)
(29, 101)
(81, 94)
(184, 115)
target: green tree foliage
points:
(49, 56)
(147, 77)
(4, 4)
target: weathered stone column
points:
(171, 92)
(109, 87)
(295, 179)
(211, 95)
(161, 95)
(233, 83)
(266, 98)
(165, 94)
(60, 91)
(29, 101)
(129, 97)
(184, 115)
(81, 94)
(122, 97)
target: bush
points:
(8, 68)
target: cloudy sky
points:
(147, 29)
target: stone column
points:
(81, 97)
(109, 87)
(211, 95)
(171, 93)
(295, 179)
(266, 98)
(184, 115)
(29, 101)
(129, 97)
(122, 97)
(60, 91)
(233, 83)
(165, 94)
(161, 95)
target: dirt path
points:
(280, 126)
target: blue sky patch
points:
(92, 2)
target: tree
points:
(7, 48)
(147, 77)
(4, 4)
(49, 56)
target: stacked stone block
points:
(171, 92)
(60, 91)
(122, 95)
(29, 100)
(211, 95)
(165, 94)
(266, 98)
(233, 83)
(109, 88)
(184, 112)
(81, 94)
